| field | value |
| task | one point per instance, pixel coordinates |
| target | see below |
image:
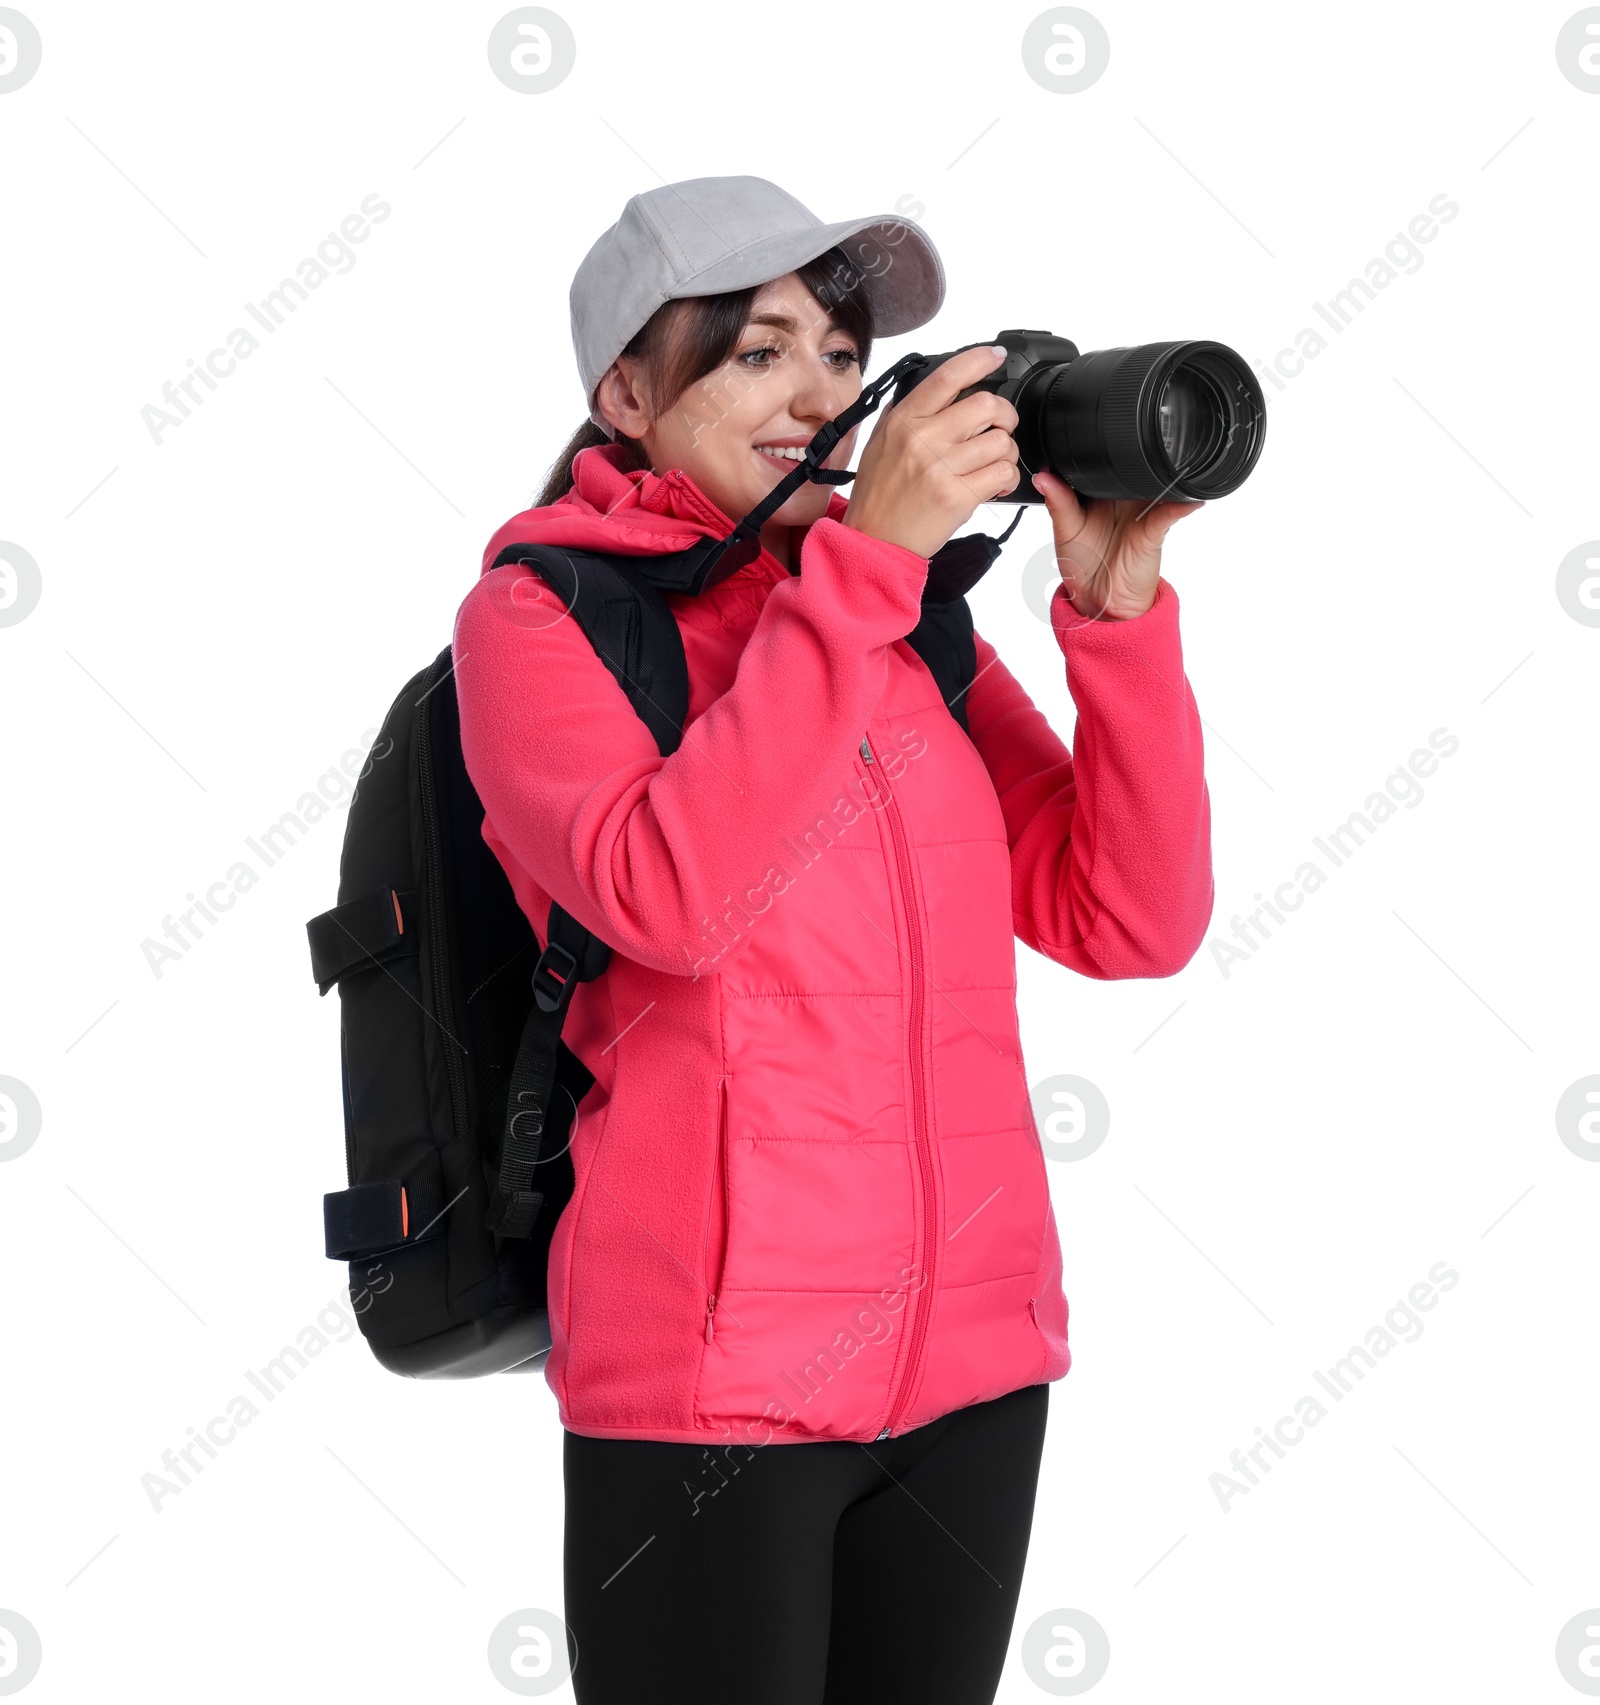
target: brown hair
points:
(711, 327)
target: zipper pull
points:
(711, 1309)
(881, 1436)
(866, 751)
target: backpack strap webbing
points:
(572, 956)
(368, 930)
(635, 634)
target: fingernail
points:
(1000, 350)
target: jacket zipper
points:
(920, 1303)
(444, 1006)
(719, 1246)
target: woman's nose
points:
(820, 393)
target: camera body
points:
(1183, 420)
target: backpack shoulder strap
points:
(635, 634)
(629, 624)
(944, 640)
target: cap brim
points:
(900, 267)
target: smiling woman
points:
(818, 317)
(809, 1239)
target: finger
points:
(1157, 521)
(995, 480)
(939, 389)
(971, 454)
(1067, 514)
(982, 419)
(967, 418)
(982, 464)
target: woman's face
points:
(791, 372)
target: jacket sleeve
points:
(1110, 842)
(641, 848)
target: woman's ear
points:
(622, 399)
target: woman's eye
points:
(840, 359)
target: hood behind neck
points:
(633, 513)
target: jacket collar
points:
(634, 513)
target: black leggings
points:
(822, 1573)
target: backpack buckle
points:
(552, 983)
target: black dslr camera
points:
(1179, 420)
(1159, 420)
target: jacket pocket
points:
(717, 1213)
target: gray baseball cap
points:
(708, 235)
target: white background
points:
(1370, 1093)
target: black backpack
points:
(458, 1091)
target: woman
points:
(810, 1208)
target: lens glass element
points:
(1192, 419)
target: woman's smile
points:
(785, 451)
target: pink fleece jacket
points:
(810, 1196)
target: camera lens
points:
(1159, 420)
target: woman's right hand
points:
(933, 460)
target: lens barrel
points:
(1181, 420)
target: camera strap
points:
(953, 569)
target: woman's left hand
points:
(1108, 551)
